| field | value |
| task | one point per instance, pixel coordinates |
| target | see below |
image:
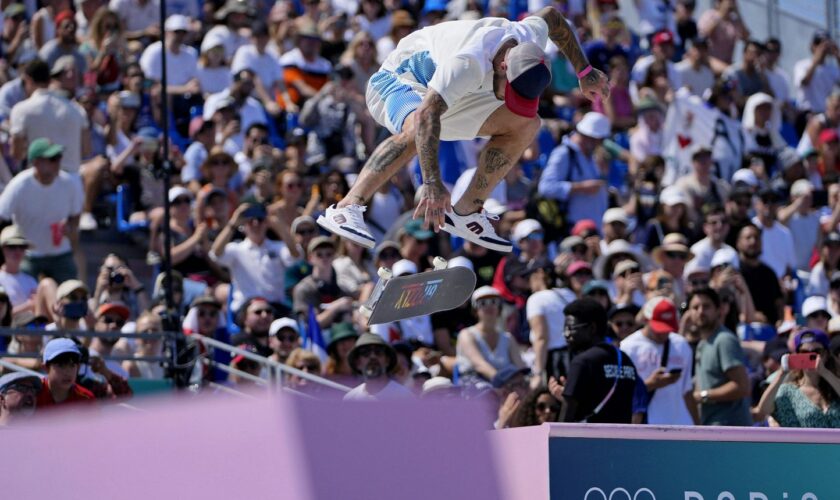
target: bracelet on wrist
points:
(585, 71)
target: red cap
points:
(829, 135)
(62, 16)
(114, 307)
(584, 226)
(527, 77)
(663, 37)
(662, 316)
(577, 266)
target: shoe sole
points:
(449, 228)
(340, 231)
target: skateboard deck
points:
(420, 294)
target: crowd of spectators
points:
(647, 264)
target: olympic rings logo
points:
(619, 494)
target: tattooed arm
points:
(434, 200)
(595, 83)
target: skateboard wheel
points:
(439, 263)
(385, 273)
(365, 311)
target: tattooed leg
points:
(387, 159)
(509, 137)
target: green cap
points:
(43, 148)
(414, 228)
(14, 9)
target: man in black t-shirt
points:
(602, 385)
(761, 280)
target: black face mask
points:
(75, 310)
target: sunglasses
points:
(260, 312)
(677, 255)
(308, 367)
(372, 350)
(576, 327)
(536, 236)
(553, 408)
(389, 255)
(110, 320)
(287, 338)
(624, 324)
(305, 232)
(16, 247)
(181, 201)
(698, 283)
(65, 363)
(818, 350)
(208, 314)
(583, 273)
(325, 255)
(488, 302)
(579, 249)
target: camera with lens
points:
(115, 277)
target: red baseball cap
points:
(662, 315)
(527, 77)
(663, 37)
(584, 226)
(829, 135)
(577, 266)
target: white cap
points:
(801, 187)
(594, 125)
(437, 384)
(746, 176)
(694, 266)
(460, 261)
(279, 324)
(484, 292)
(525, 227)
(814, 304)
(404, 266)
(176, 22)
(724, 256)
(213, 39)
(616, 214)
(672, 195)
(176, 191)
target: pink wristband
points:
(585, 71)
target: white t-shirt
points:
(41, 211)
(704, 251)
(391, 391)
(667, 406)
(136, 17)
(812, 96)
(214, 80)
(550, 305)
(256, 271)
(264, 65)
(49, 115)
(697, 81)
(779, 82)
(777, 249)
(456, 59)
(19, 287)
(180, 68)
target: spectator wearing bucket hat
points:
(342, 338)
(61, 359)
(20, 287)
(51, 227)
(18, 397)
(375, 361)
(673, 255)
(571, 176)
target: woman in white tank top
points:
(482, 349)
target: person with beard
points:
(761, 279)
(601, 386)
(722, 383)
(59, 387)
(256, 318)
(375, 361)
(283, 338)
(17, 396)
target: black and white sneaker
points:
(349, 223)
(476, 228)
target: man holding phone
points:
(664, 360)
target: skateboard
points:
(403, 297)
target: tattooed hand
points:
(595, 84)
(434, 201)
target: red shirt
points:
(78, 394)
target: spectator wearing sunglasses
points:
(62, 358)
(537, 408)
(305, 361)
(482, 350)
(18, 392)
(374, 361)
(805, 397)
(673, 255)
(283, 338)
(622, 320)
(110, 318)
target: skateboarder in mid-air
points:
(448, 82)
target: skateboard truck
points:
(385, 276)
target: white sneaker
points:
(87, 222)
(348, 222)
(476, 228)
